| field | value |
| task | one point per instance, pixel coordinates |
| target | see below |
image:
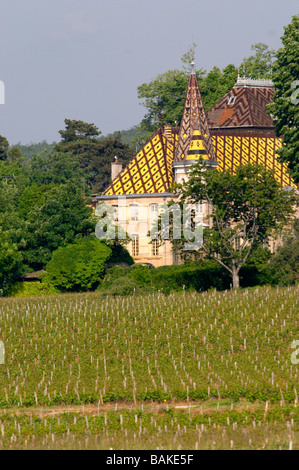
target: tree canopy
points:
(245, 209)
(285, 106)
(164, 96)
(78, 266)
(82, 149)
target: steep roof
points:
(243, 106)
(194, 118)
(231, 144)
(235, 150)
(197, 148)
(150, 171)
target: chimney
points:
(116, 168)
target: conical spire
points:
(197, 148)
(194, 118)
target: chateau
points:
(237, 130)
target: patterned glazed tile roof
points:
(242, 107)
(197, 148)
(150, 171)
(232, 151)
(194, 117)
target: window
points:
(134, 212)
(135, 245)
(232, 100)
(154, 211)
(155, 248)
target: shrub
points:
(120, 255)
(283, 267)
(122, 286)
(30, 289)
(199, 276)
(79, 266)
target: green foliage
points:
(248, 207)
(31, 289)
(285, 106)
(122, 286)
(54, 168)
(283, 267)
(164, 97)
(12, 173)
(94, 156)
(258, 65)
(218, 426)
(199, 276)
(57, 221)
(10, 263)
(4, 145)
(75, 130)
(79, 266)
(252, 272)
(120, 254)
(216, 84)
(31, 197)
(29, 150)
(84, 348)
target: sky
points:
(84, 59)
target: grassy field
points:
(226, 356)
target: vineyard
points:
(215, 347)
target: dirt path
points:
(94, 409)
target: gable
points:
(242, 107)
(150, 171)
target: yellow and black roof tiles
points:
(150, 171)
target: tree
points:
(10, 263)
(283, 268)
(54, 168)
(75, 130)
(92, 155)
(164, 97)
(79, 266)
(216, 84)
(259, 65)
(246, 208)
(285, 106)
(29, 150)
(57, 220)
(4, 145)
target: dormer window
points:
(232, 100)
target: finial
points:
(116, 159)
(192, 59)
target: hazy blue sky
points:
(84, 59)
